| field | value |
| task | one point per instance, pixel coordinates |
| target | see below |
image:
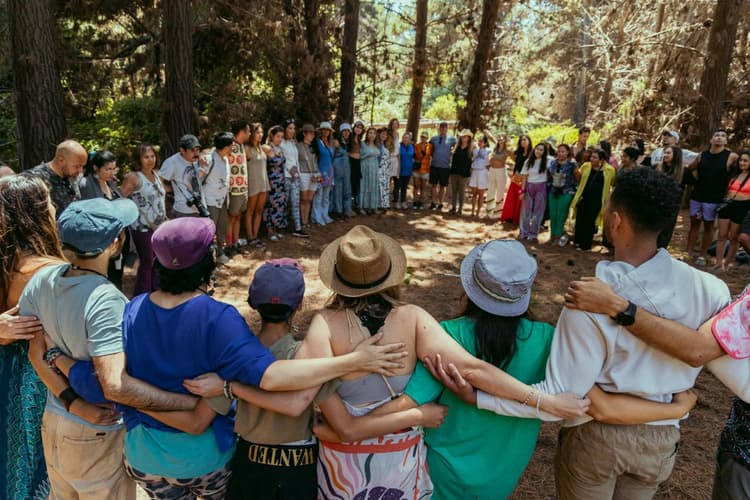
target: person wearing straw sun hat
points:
(497, 278)
(364, 269)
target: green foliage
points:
(445, 107)
(120, 125)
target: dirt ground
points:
(435, 245)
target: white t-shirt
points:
(535, 177)
(216, 180)
(184, 177)
(291, 155)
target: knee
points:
(744, 239)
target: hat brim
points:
(484, 301)
(327, 268)
(126, 210)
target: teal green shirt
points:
(174, 454)
(476, 453)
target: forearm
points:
(54, 382)
(351, 428)
(298, 374)
(291, 403)
(670, 337)
(624, 409)
(138, 394)
(119, 386)
(191, 422)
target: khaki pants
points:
(624, 462)
(84, 463)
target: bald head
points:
(70, 158)
(6, 171)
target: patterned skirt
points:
(23, 472)
(393, 466)
(274, 212)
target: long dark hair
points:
(98, 160)
(26, 227)
(520, 157)
(495, 335)
(542, 161)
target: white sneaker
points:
(242, 242)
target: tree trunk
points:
(657, 29)
(713, 88)
(312, 95)
(420, 70)
(177, 37)
(40, 117)
(471, 116)
(579, 114)
(348, 60)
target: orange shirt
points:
(423, 154)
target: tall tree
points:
(471, 116)
(40, 118)
(177, 37)
(713, 88)
(579, 113)
(419, 68)
(348, 60)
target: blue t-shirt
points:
(441, 151)
(406, 159)
(165, 347)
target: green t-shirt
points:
(476, 453)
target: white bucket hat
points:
(497, 276)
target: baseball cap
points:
(277, 282)
(90, 226)
(182, 243)
(673, 133)
(189, 141)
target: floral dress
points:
(274, 213)
(384, 177)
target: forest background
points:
(112, 73)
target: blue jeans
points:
(321, 203)
(292, 199)
(342, 189)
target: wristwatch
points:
(626, 317)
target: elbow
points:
(197, 426)
(301, 404)
(601, 415)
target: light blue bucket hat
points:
(497, 276)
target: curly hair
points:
(649, 198)
(27, 226)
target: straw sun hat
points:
(362, 262)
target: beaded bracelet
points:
(528, 397)
(50, 356)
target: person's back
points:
(459, 467)
(206, 330)
(599, 460)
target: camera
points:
(196, 201)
